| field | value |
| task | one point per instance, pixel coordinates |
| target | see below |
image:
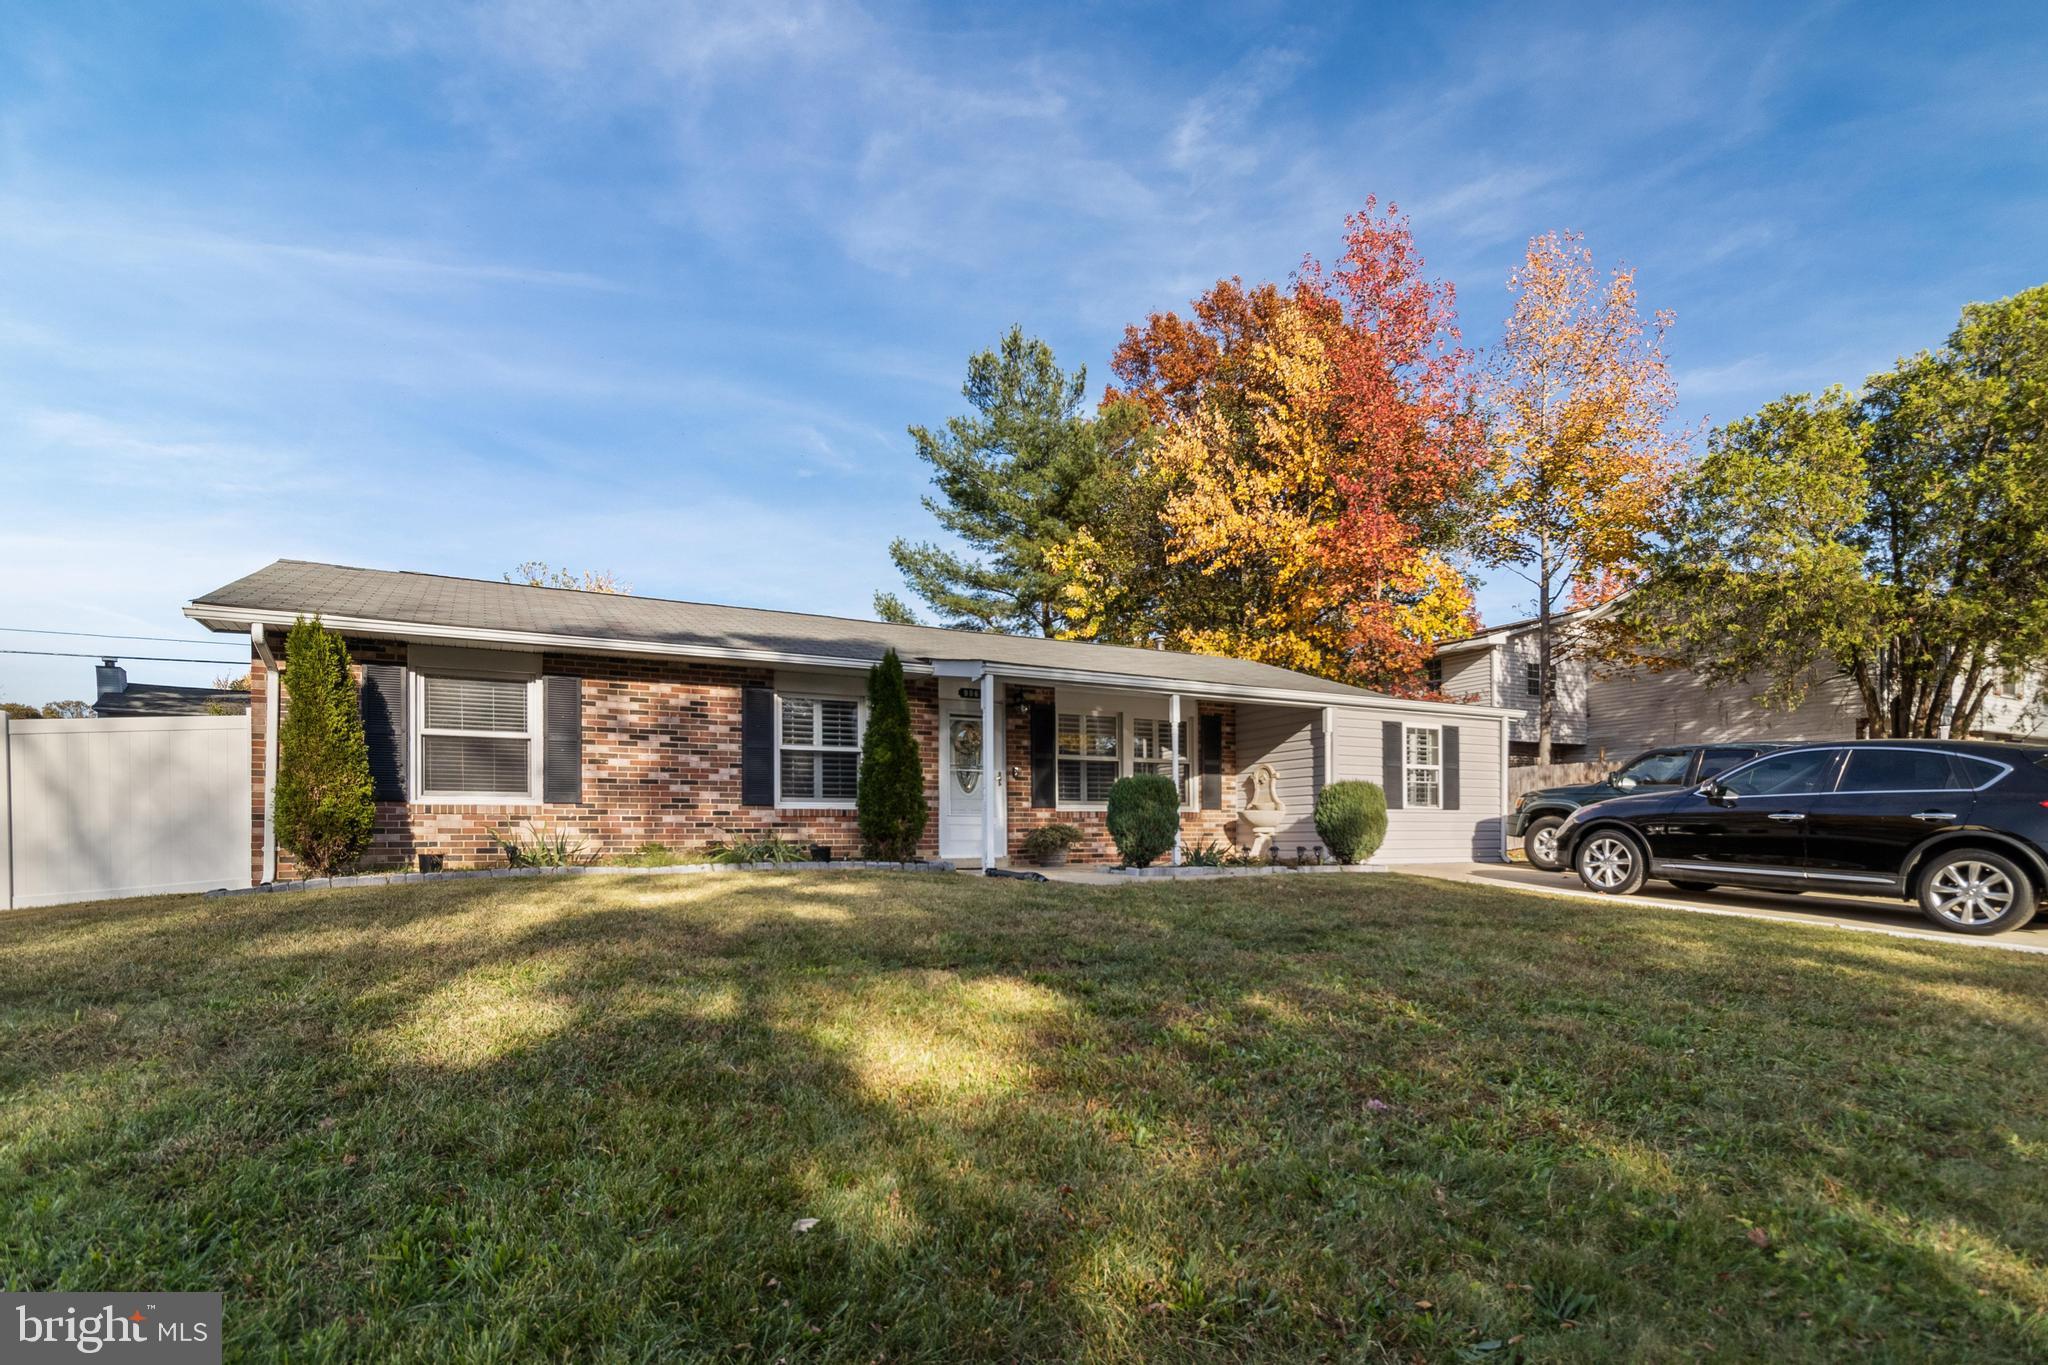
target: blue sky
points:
(656, 287)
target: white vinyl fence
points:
(125, 806)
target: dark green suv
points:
(1538, 814)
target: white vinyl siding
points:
(1290, 739)
(818, 751)
(1470, 833)
(477, 739)
(1090, 754)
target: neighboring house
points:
(1611, 712)
(119, 697)
(625, 720)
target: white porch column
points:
(995, 785)
(1173, 765)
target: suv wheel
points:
(1976, 891)
(1539, 843)
(1611, 863)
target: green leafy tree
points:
(1014, 479)
(891, 802)
(66, 710)
(324, 805)
(1899, 535)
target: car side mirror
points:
(1715, 793)
(1623, 782)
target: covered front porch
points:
(1057, 744)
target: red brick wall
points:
(661, 763)
(1096, 845)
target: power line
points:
(101, 635)
(143, 658)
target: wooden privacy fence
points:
(122, 806)
(1534, 778)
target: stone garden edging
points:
(1268, 870)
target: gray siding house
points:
(1609, 713)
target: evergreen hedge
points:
(1351, 817)
(324, 804)
(1144, 813)
(891, 801)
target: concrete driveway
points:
(1827, 911)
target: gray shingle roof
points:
(332, 590)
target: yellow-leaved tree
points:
(1579, 400)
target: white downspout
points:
(272, 678)
(994, 786)
(1173, 766)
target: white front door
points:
(961, 788)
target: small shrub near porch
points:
(891, 801)
(1144, 813)
(324, 802)
(1351, 817)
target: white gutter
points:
(568, 644)
(946, 667)
(272, 677)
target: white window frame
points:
(416, 770)
(1162, 726)
(1119, 763)
(1128, 712)
(860, 731)
(1409, 768)
(1532, 680)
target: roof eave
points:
(229, 619)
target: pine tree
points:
(892, 805)
(1014, 479)
(324, 804)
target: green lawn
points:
(1353, 1118)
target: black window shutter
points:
(1391, 759)
(561, 778)
(384, 729)
(1042, 783)
(757, 746)
(1209, 751)
(1450, 757)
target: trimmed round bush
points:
(1144, 812)
(1351, 817)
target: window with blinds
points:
(1150, 747)
(1089, 756)
(1423, 767)
(476, 737)
(819, 757)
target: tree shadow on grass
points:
(498, 1121)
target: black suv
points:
(1959, 826)
(1538, 814)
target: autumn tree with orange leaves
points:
(1579, 401)
(1313, 449)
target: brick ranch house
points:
(629, 720)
